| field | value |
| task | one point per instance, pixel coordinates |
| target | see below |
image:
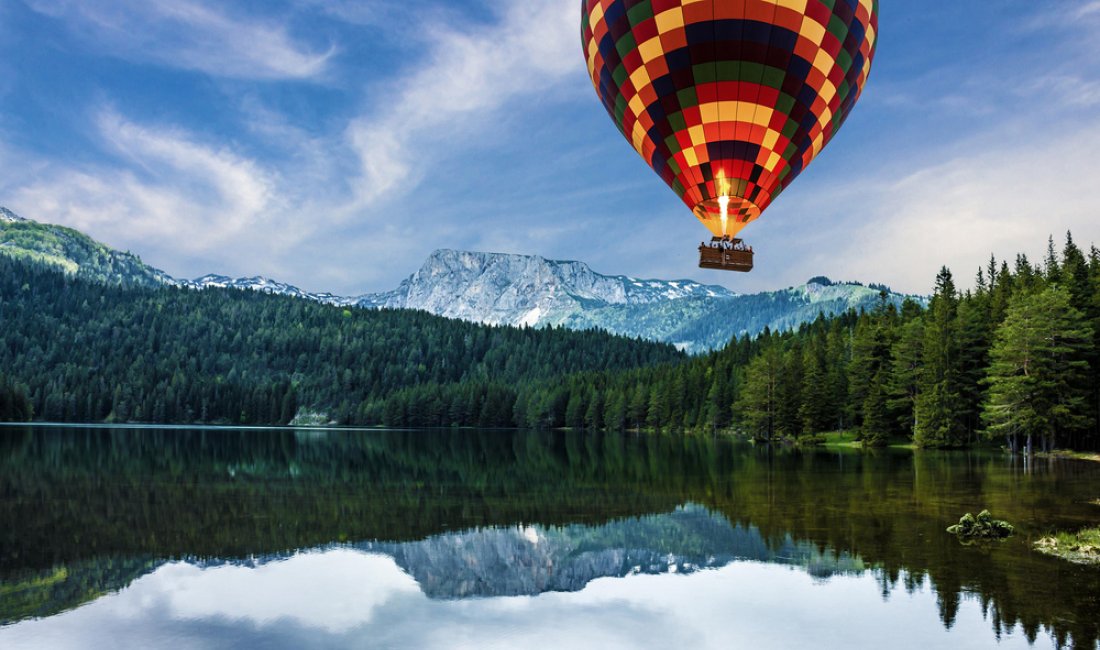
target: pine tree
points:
(594, 415)
(789, 406)
(758, 403)
(939, 403)
(870, 355)
(907, 367)
(1077, 278)
(839, 358)
(1052, 270)
(638, 406)
(1037, 369)
(861, 369)
(575, 409)
(973, 341)
(817, 409)
(614, 418)
(717, 402)
(877, 423)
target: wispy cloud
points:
(1001, 193)
(168, 193)
(189, 34)
(187, 198)
(465, 79)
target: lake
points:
(196, 538)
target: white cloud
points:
(467, 77)
(189, 34)
(999, 194)
(341, 205)
(1090, 8)
(1065, 90)
(312, 213)
(171, 194)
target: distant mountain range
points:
(498, 289)
(521, 290)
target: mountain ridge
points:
(498, 289)
(530, 290)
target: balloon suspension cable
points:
(724, 205)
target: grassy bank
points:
(1082, 547)
(850, 440)
(1066, 453)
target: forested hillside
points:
(74, 252)
(1017, 357)
(84, 351)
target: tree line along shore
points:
(1015, 359)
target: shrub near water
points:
(980, 527)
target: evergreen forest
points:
(1016, 358)
(72, 350)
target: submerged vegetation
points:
(1082, 547)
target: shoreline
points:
(829, 440)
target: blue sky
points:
(333, 144)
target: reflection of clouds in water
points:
(344, 598)
(334, 591)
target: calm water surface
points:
(192, 538)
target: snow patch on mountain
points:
(532, 291)
(528, 290)
(262, 284)
(502, 289)
(506, 289)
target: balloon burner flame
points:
(724, 206)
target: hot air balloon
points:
(729, 100)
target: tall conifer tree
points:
(939, 402)
(1037, 370)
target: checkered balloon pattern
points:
(729, 97)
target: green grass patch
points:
(1082, 547)
(847, 439)
(1066, 453)
(850, 440)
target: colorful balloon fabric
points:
(729, 98)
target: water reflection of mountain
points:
(529, 560)
(485, 562)
(76, 500)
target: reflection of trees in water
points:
(224, 494)
(37, 594)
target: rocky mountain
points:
(499, 289)
(502, 289)
(529, 290)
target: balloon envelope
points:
(729, 97)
